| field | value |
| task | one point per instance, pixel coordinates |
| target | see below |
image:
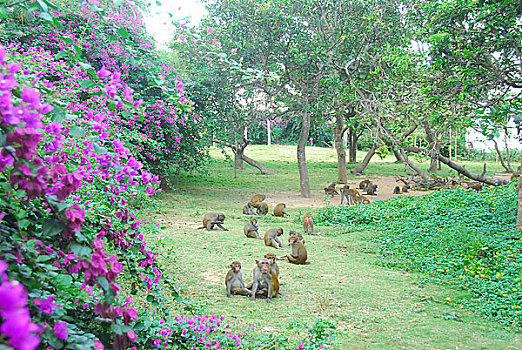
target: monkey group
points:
(265, 276)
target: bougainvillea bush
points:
(82, 131)
(459, 234)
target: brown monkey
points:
(234, 281)
(330, 192)
(272, 261)
(264, 278)
(405, 188)
(211, 219)
(308, 224)
(477, 186)
(397, 190)
(370, 189)
(251, 229)
(364, 183)
(248, 209)
(299, 236)
(362, 200)
(332, 185)
(349, 194)
(298, 255)
(262, 208)
(256, 199)
(279, 210)
(271, 239)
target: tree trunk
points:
(256, 164)
(238, 158)
(398, 155)
(460, 169)
(301, 156)
(339, 147)
(352, 145)
(359, 168)
(499, 155)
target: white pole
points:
(269, 132)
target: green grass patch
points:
(373, 306)
(459, 234)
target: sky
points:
(158, 20)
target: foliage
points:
(162, 130)
(457, 234)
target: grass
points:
(375, 307)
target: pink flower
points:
(60, 330)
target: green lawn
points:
(375, 307)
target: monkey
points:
(296, 234)
(251, 229)
(257, 199)
(332, 185)
(370, 189)
(264, 278)
(279, 210)
(211, 219)
(364, 183)
(248, 209)
(353, 197)
(234, 281)
(272, 261)
(298, 255)
(405, 188)
(397, 190)
(330, 192)
(349, 194)
(262, 208)
(271, 239)
(514, 176)
(477, 186)
(308, 224)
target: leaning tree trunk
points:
(360, 168)
(398, 155)
(499, 155)
(301, 156)
(460, 169)
(256, 164)
(339, 147)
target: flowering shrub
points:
(458, 234)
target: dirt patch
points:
(212, 277)
(385, 184)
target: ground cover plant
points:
(465, 235)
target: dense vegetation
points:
(459, 234)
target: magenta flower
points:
(47, 305)
(60, 330)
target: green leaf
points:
(63, 281)
(77, 131)
(158, 3)
(61, 54)
(124, 34)
(100, 149)
(114, 38)
(43, 5)
(86, 84)
(42, 258)
(52, 227)
(46, 16)
(80, 250)
(3, 12)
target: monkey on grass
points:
(234, 281)
(213, 219)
